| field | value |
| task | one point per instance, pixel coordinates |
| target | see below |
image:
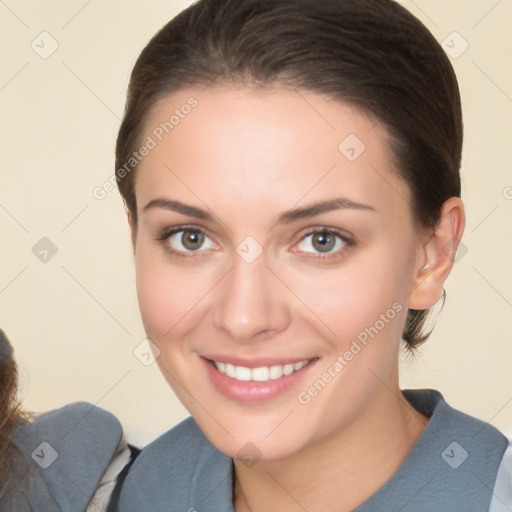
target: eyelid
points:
(325, 229)
(168, 231)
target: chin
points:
(254, 437)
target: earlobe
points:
(438, 256)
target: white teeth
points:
(230, 370)
(288, 368)
(276, 372)
(261, 374)
(242, 373)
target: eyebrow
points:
(284, 218)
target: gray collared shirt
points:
(452, 467)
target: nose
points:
(250, 304)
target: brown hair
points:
(372, 54)
(9, 409)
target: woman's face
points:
(275, 252)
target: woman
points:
(62, 460)
(291, 175)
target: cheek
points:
(367, 290)
(155, 301)
(167, 294)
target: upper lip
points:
(256, 362)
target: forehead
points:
(264, 147)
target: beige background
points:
(74, 319)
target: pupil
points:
(192, 240)
(323, 242)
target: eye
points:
(324, 241)
(182, 240)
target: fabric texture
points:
(63, 455)
(452, 467)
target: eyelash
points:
(163, 236)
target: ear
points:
(133, 227)
(437, 256)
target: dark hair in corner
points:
(372, 54)
(9, 409)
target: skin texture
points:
(246, 156)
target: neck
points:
(341, 472)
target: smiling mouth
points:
(261, 374)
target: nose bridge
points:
(249, 302)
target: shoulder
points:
(463, 455)
(473, 431)
(79, 437)
(178, 467)
(80, 419)
(64, 454)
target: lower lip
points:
(251, 391)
